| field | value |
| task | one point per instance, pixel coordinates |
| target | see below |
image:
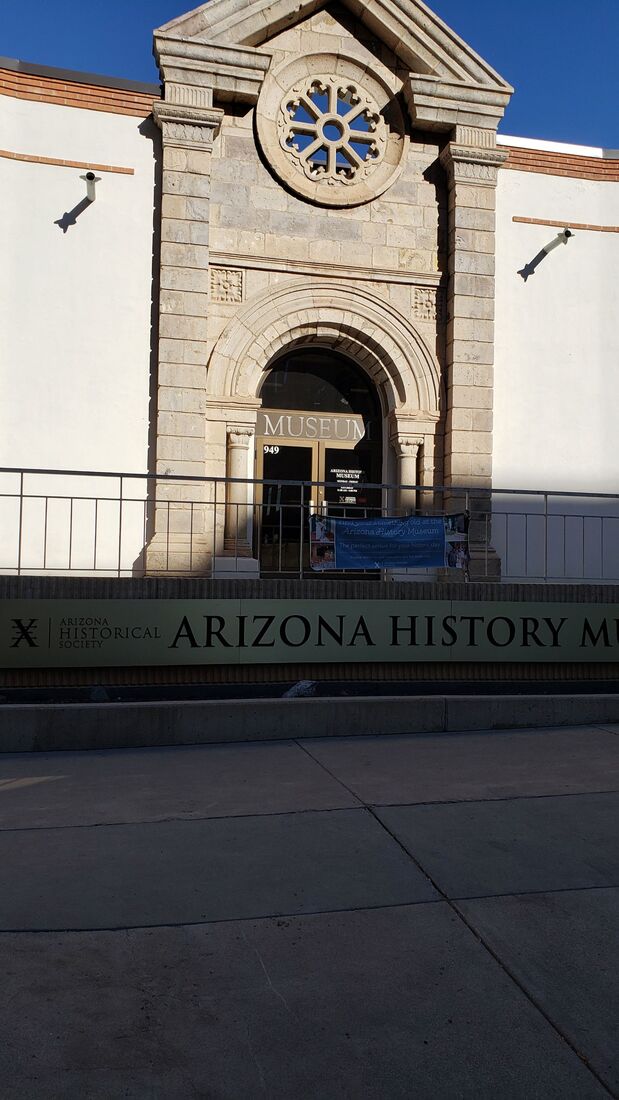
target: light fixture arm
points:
(561, 238)
(91, 185)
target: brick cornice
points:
(68, 93)
(549, 163)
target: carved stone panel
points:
(429, 304)
(226, 285)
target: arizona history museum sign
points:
(74, 633)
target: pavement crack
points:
(453, 905)
(255, 1060)
(360, 801)
(266, 974)
(607, 729)
(476, 801)
(176, 820)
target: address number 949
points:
(270, 450)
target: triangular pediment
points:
(420, 40)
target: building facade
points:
(309, 259)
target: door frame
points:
(316, 501)
(318, 448)
(262, 442)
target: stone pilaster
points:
(407, 452)
(187, 137)
(189, 518)
(187, 145)
(472, 174)
(472, 178)
(237, 538)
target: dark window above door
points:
(320, 381)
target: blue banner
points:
(407, 542)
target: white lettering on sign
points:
(282, 425)
(268, 428)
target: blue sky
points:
(559, 54)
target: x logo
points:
(22, 632)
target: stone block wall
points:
(398, 264)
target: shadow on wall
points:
(435, 175)
(151, 132)
(529, 269)
(70, 217)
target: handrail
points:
(199, 479)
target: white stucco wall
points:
(75, 353)
(557, 337)
(75, 307)
(556, 378)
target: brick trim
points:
(125, 101)
(567, 224)
(68, 93)
(561, 164)
(32, 159)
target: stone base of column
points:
(236, 548)
(236, 569)
(484, 564)
(179, 555)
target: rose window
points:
(333, 131)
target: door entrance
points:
(319, 426)
(284, 509)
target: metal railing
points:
(89, 523)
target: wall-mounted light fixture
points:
(91, 185)
(561, 238)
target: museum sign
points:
(73, 633)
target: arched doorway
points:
(320, 424)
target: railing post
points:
(70, 531)
(545, 538)
(21, 520)
(120, 524)
(301, 495)
(45, 534)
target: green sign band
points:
(82, 633)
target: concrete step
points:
(46, 727)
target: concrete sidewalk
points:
(419, 917)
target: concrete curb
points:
(53, 727)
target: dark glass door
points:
(284, 509)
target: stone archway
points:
(349, 320)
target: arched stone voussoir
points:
(373, 332)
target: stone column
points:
(189, 521)
(472, 171)
(181, 540)
(238, 509)
(407, 452)
(468, 108)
